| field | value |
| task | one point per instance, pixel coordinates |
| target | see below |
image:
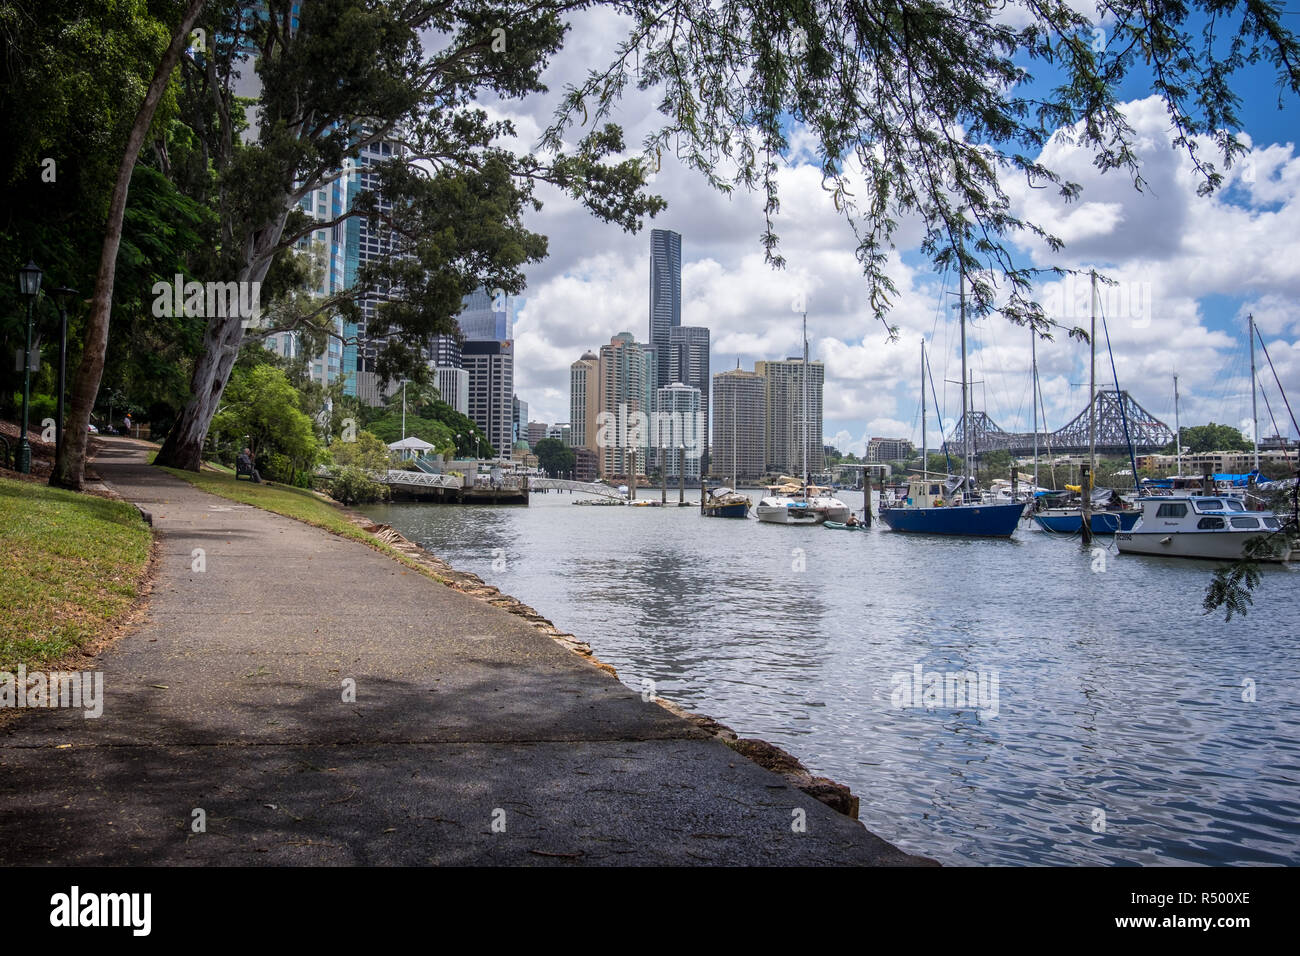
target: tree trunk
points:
(69, 470)
(184, 445)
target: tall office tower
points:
(688, 361)
(444, 352)
(561, 431)
(584, 399)
(486, 317)
(665, 296)
(627, 378)
(786, 415)
(368, 244)
(680, 436)
(328, 249)
(739, 410)
(519, 420)
(491, 369)
(453, 386)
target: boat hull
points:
(1208, 545)
(740, 510)
(1103, 522)
(967, 521)
(782, 514)
(840, 526)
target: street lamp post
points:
(61, 296)
(29, 284)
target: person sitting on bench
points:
(244, 466)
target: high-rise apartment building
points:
(677, 431)
(889, 449)
(688, 363)
(519, 420)
(584, 399)
(789, 420)
(453, 386)
(665, 296)
(627, 377)
(369, 243)
(491, 370)
(739, 425)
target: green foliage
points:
(555, 457)
(262, 404)
(352, 486)
(389, 429)
(1199, 439)
(367, 453)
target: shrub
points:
(352, 486)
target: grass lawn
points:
(69, 564)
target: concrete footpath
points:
(473, 738)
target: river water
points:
(1109, 720)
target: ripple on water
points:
(1123, 734)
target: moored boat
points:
(1196, 526)
(928, 509)
(725, 503)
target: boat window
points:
(1210, 523)
(1270, 523)
(1172, 511)
(1214, 504)
(934, 489)
(1232, 504)
(1246, 524)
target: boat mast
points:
(925, 448)
(1178, 431)
(1254, 408)
(965, 418)
(1033, 352)
(805, 406)
(733, 438)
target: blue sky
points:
(1194, 263)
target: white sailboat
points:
(787, 504)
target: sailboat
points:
(782, 506)
(726, 502)
(950, 505)
(1105, 519)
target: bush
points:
(352, 486)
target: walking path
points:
(473, 739)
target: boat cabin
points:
(926, 493)
(1195, 513)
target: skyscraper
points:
(739, 410)
(487, 317)
(491, 369)
(665, 295)
(786, 415)
(678, 428)
(584, 399)
(688, 363)
(626, 400)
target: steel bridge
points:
(1112, 408)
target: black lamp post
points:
(29, 285)
(61, 296)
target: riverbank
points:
(297, 697)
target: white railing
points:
(583, 487)
(421, 478)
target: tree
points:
(263, 405)
(555, 457)
(339, 75)
(920, 109)
(367, 453)
(69, 469)
(1199, 439)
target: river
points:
(1115, 722)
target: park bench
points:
(242, 471)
